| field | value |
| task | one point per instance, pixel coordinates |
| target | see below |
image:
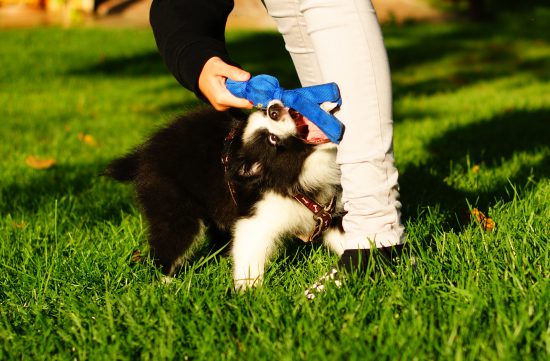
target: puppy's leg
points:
(173, 224)
(255, 238)
(170, 239)
(334, 237)
(254, 242)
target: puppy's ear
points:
(250, 170)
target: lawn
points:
(472, 117)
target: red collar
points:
(321, 215)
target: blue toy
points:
(262, 89)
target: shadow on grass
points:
(137, 65)
(467, 53)
(82, 195)
(492, 143)
(482, 71)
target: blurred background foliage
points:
(484, 9)
(246, 14)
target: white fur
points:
(256, 238)
(320, 168)
(335, 240)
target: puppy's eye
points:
(273, 139)
(274, 111)
(274, 114)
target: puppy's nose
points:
(275, 111)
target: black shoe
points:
(356, 260)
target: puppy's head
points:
(272, 149)
(275, 122)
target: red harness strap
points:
(226, 157)
(321, 215)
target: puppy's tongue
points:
(307, 130)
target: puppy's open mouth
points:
(306, 130)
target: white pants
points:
(340, 41)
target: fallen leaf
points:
(38, 163)
(87, 139)
(19, 225)
(486, 223)
(136, 256)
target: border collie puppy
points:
(183, 185)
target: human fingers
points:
(229, 71)
(212, 84)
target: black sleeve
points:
(188, 33)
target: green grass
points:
(465, 95)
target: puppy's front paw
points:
(242, 284)
(166, 280)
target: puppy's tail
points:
(123, 169)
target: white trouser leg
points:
(341, 41)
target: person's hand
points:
(212, 84)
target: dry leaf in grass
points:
(136, 256)
(87, 139)
(19, 225)
(38, 163)
(486, 223)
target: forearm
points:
(188, 33)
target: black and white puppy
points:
(183, 185)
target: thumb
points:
(234, 73)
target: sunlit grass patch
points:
(472, 108)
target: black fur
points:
(181, 182)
